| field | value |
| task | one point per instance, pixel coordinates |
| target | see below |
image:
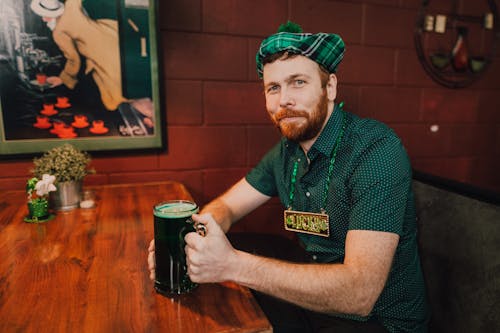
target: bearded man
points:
(346, 188)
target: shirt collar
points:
(326, 140)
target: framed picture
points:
(79, 71)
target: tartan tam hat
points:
(325, 49)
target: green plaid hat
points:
(325, 49)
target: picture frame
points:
(84, 72)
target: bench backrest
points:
(459, 241)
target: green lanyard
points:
(330, 168)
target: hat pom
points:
(290, 27)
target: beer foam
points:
(176, 209)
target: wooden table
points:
(86, 271)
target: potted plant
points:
(38, 205)
(69, 166)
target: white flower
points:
(46, 185)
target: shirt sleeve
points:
(380, 187)
(262, 177)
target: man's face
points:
(295, 98)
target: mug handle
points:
(199, 228)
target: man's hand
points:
(151, 260)
(209, 258)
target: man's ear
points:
(331, 87)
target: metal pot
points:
(67, 196)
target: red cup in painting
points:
(98, 127)
(62, 102)
(58, 126)
(41, 78)
(80, 121)
(42, 122)
(48, 110)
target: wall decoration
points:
(83, 71)
(455, 47)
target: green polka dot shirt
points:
(370, 189)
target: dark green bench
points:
(459, 240)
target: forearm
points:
(327, 288)
(221, 213)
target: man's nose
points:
(286, 98)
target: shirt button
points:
(314, 257)
(308, 194)
(298, 160)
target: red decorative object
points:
(98, 127)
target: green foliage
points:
(65, 162)
(290, 27)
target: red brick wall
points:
(217, 126)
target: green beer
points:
(172, 221)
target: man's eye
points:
(272, 89)
(299, 83)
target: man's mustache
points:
(287, 113)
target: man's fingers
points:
(151, 262)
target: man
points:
(78, 35)
(345, 184)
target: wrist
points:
(236, 266)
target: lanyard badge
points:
(307, 223)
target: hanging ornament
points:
(460, 54)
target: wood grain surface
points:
(86, 271)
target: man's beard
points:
(303, 131)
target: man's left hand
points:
(209, 258)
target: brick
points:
(182, 15)
(191, 179)
(485, 174)
(260, 140)
(125, 163)
(410, 3)
(497, 144)
(378, 2)
(473, 8)
(203, 56)
(13, 168)
(329, 16)
(234, 103)
(387, 26)
(392, 105)
(99, 178)
(350, 96)
(445, 105)
(204, 147)
(439, 7)
(490, 78)
(473, 140)
(367, 65)
(419, 141)
(239, 17)
(184, 102)
(253, 48)
(13, 183)
(409, 71)
(451, 168)
(216, 182)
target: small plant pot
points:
(38, 211)
(67, 196)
